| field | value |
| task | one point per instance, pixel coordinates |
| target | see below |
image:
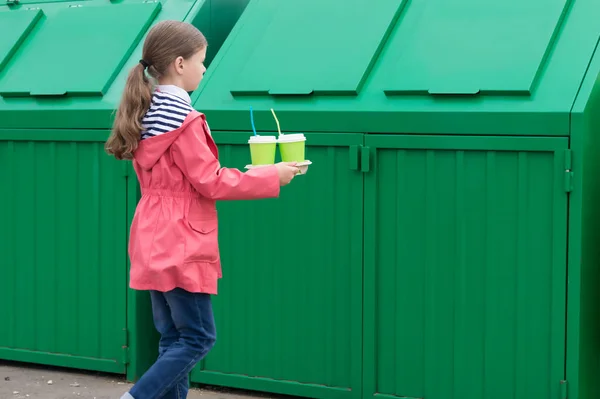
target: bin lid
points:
(14, 28)
(78, 51)
(432, 66)
(338, 65)
(18, 3)
(64, 64)
(472, 47)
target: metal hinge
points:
(125, 355)
(360, 158)
(568, 171)
(125, 347)
(564, 389)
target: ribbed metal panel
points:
(63, 245)
(466, 296)
(289, 309)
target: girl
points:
(173, 243)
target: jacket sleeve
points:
(192, 154)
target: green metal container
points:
(65, 205)
(290, 305)
(445, 238)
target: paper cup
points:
(292, 147)
(262, 150)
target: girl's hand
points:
(286, 172)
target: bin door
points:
(465, 267)
(289, 306)
(63, 240)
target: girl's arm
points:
(193, 156)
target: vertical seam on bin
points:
(568, 215)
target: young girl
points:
(173, 244)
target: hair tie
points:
(144, 63)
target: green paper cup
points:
(262, 150)
(292, 147)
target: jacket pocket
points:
(202, 243)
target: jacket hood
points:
(149, 151)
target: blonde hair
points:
(166, 41)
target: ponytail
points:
(166, 41)
(127, 127)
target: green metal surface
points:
(76, 67)
(88, 48)
(63, 66)
(583, 326)
(345, 54)
(14, 28)
(16, 3)
(481, 200)
(217, 21)
(459, 264)
(492, 59)
(288, 312)
(63, 245)
(490, 82)
(465, 267)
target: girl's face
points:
(187, 74)
(193, 70)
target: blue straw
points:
(252, 121)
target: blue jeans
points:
(187, 328)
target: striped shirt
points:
(169, 108)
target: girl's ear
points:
(179, 65)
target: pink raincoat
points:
(173, 241)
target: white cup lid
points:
(262, 139)
(291, 138)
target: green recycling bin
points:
(65, 206)
(444, 242)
